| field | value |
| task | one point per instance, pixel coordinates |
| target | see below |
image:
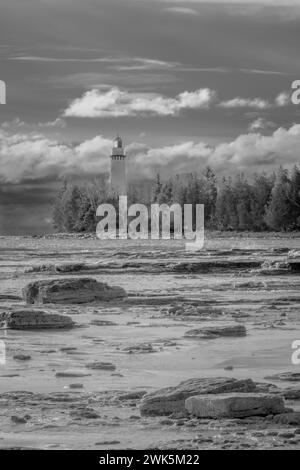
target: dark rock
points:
(139, 348)
(211, 332)
(291, 393)
(132, 395)
(20, 419)
(85, 413)
(291, 418)
(69, 267)
(34, 319)
(103, 323)
(286, 435)
(234, 405)
(22, 357)
(166, 422)
(285, 376)
(72, 373)
(101, 366)
(172, 399)
(106, 443)
(75, 386)
(69, 291)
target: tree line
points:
(260, 203)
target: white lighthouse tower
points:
(118, 177)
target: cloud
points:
(260, 124)
(263, 72)
(182, 10)
(115, 62)
(245, 153)
(107, 102)
(35, 58)
(283, 99)
(139, 63)
(119, 103)
(26, 157)
(256, 103)
(18, 123)
(58, 122)
(34, 157)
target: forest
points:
(261, 202)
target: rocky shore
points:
(138, 346)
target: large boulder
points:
(70, 291)
(211, 332)
(172, 399)
(33, 320)
(234, 405)
(291, 418)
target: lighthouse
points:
(118, 177)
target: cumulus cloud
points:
(25, 157)
(261, 124)
(117, 103)
(33, 156)
(283, 99)
(254, 149)
(256, 103)
(107, 102)
(246, 152)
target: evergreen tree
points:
(261, 193)
(242, 194)
(294, 197)
(210, 191)
(225, 213)
(58, 214)
(278, 211)
(157, 189)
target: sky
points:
(186, 83)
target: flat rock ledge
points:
(33, 320)
(285, 376)
(211, 332)
(170, 400)
(234, 405)
(70, 291)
